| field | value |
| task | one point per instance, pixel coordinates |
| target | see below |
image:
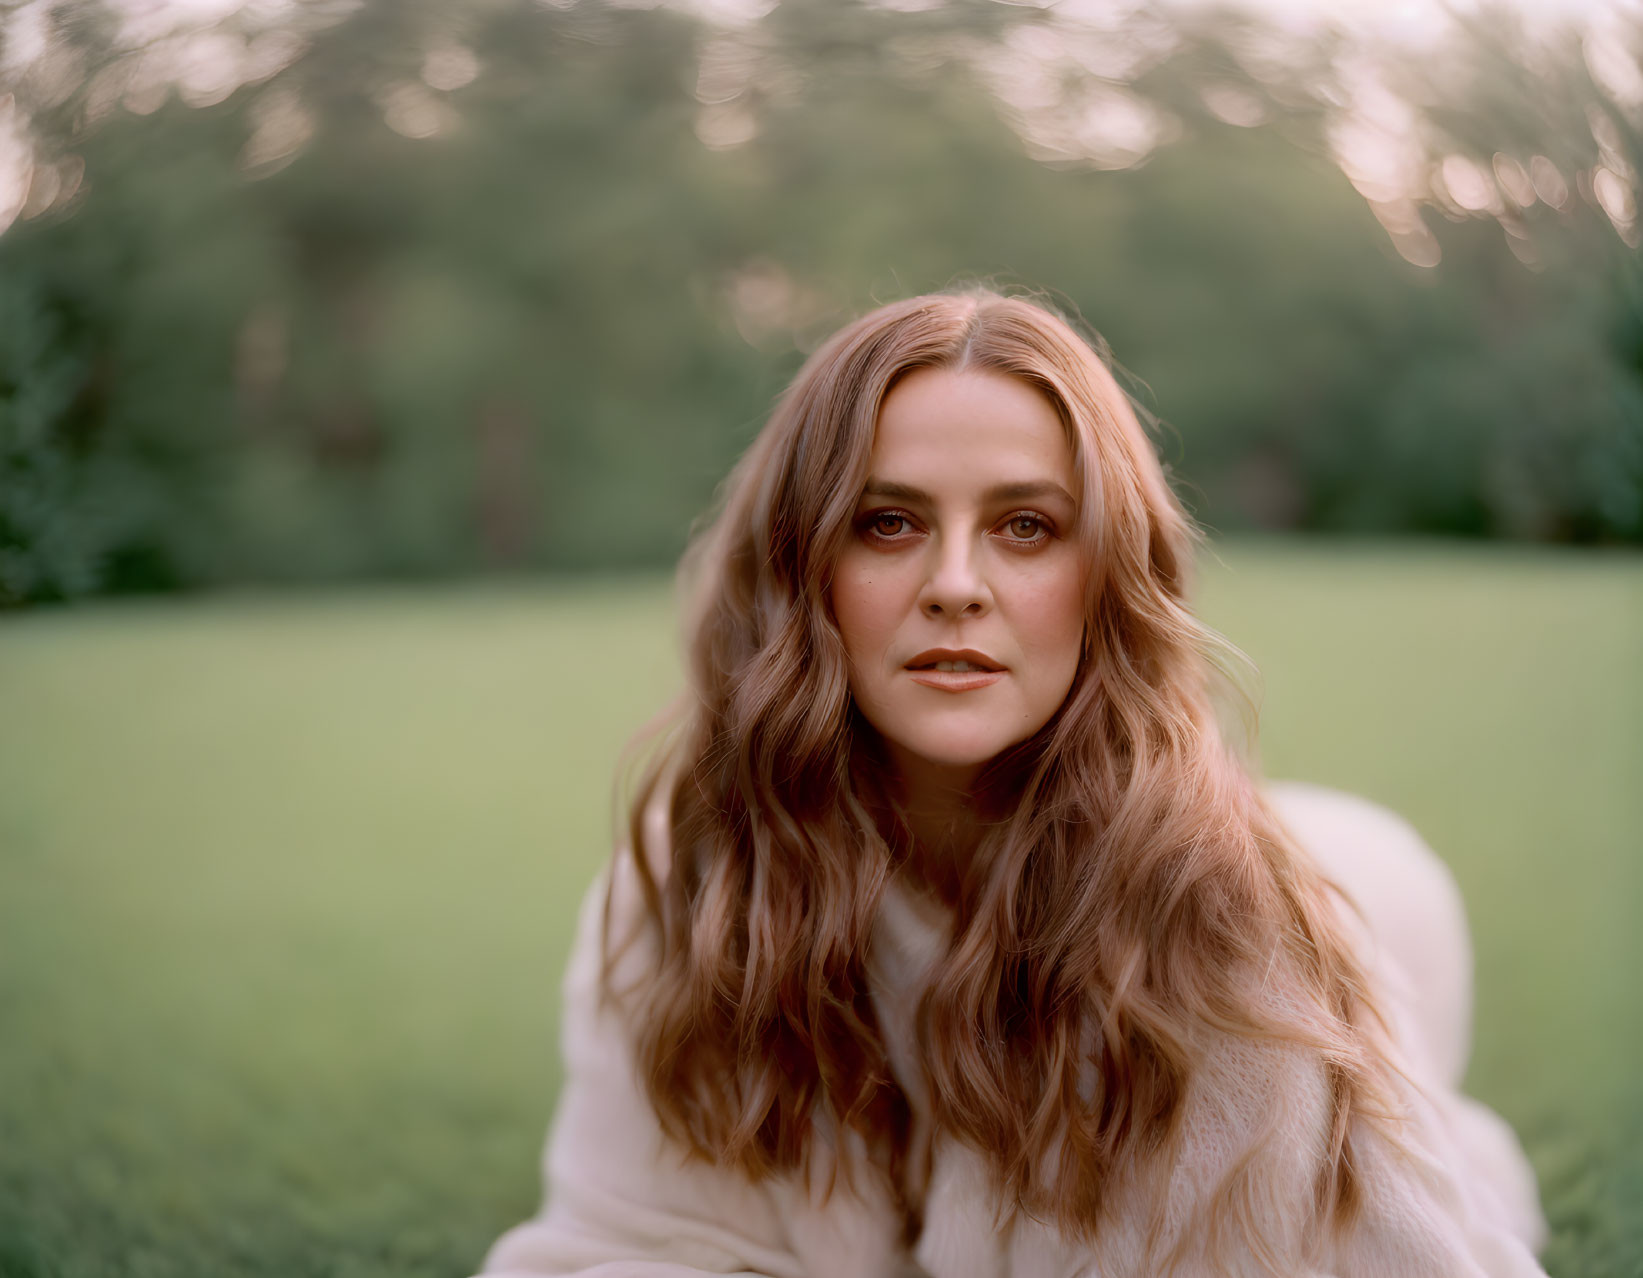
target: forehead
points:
(970, 426)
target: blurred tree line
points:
(411, 288)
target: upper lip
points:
(930, 656)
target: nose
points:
(957, 583)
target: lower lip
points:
(956, 680)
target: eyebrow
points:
(1024, 491)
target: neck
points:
(944, 813)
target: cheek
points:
(1051, 625)
(866, 605)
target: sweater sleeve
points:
(1405, 916)
(622, 1201)
(1239, 1199)
(1445, 1191)
(1424, 1212)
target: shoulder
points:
(1403, 911)
(1376, 857)
(1351, 834)
(615, 945)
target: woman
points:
(949, 936)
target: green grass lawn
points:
(285, 884)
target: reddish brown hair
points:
(1123, 908)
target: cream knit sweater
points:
(1459, 1202)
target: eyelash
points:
(867, 525)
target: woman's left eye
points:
(1025, 528)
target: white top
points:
(623, 1203)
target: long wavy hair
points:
(1126, 904)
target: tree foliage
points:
(436, 288)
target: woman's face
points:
(960, 595)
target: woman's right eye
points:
(884, 525)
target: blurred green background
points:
(364, 363)
(343, 289)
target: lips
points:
(954, 669)
(955, 661)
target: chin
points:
(956, 737)
(956, 750)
